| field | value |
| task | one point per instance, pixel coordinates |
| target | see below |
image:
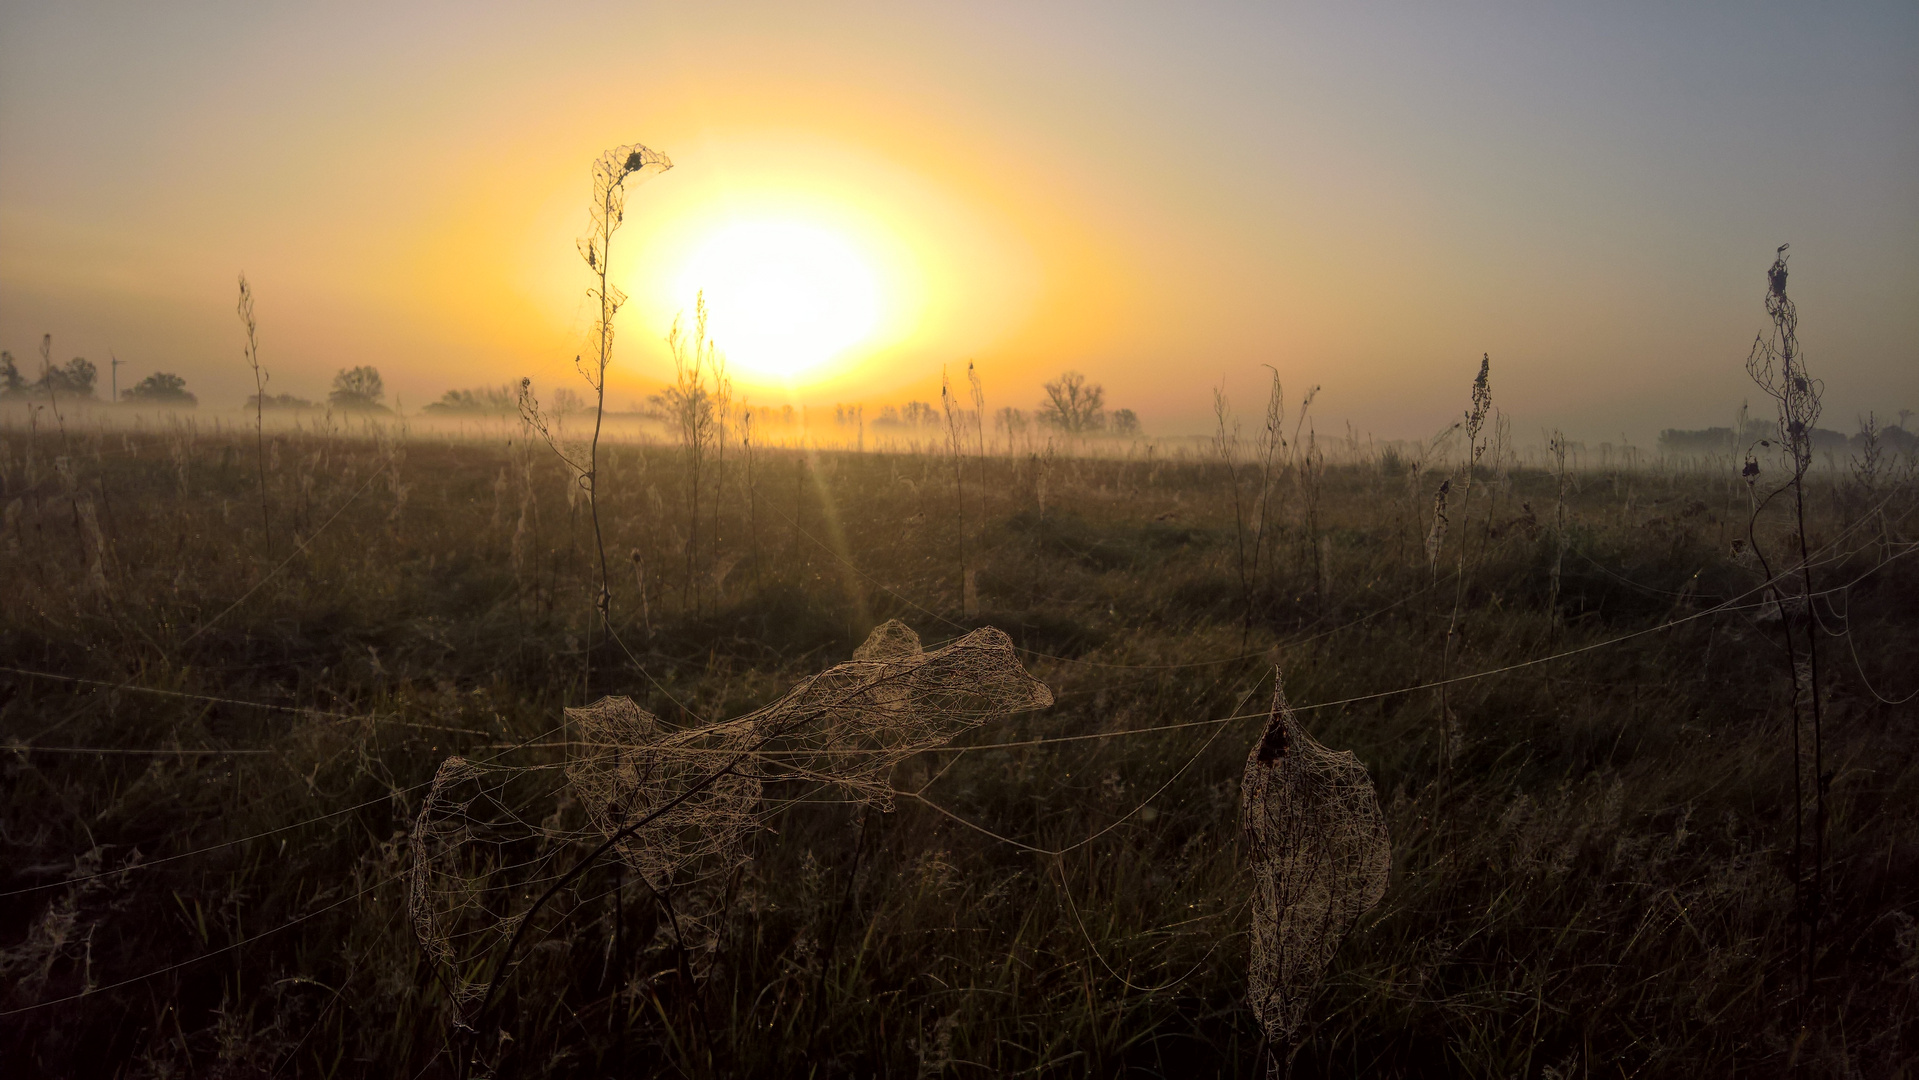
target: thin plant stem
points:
(260, 379)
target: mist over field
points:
(925, 541)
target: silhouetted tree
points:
(359, 388)
(75, 378)
(1073, 406)
(161, 388)
(12, 383)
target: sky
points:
(1166, 197)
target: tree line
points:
(1072, 406)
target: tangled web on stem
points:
(681, 805)
(1319, 852)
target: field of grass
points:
(241, 710)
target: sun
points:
(784, 297)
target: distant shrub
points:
(1712, 440)
(1894, 438)
(1830, 441)
(161, 388)
(487, 399)
(278, 401)
(914, 414)
(1723, 440)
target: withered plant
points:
(1226, 449)
(955, 451)
(1267, 447)
(49, 378)
(1475, 426)
(245, 308)
(1556, 446)
(1778, 368)
(979, 416)
(616, 169)
(752, 493)
(696, 403)
(612, 174)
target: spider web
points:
(681, 806)
(474, 863)
(1320, 855)
(617, 171)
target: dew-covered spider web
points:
(1319, 853)
(617, 171)
(476, 864)
(680, 806)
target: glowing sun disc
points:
(784, 297)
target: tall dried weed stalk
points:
(1226, 448)
(955, 451)
(1556, 447)
(1778, 368)
(697, 403)
(1267, 447)
(260, 378)
(1475, 426)
(612, 174)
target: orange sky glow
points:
(1166, 201)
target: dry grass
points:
(1604, 892)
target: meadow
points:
(234, 661)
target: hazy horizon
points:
(1367, 200)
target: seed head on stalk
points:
(612, 174)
